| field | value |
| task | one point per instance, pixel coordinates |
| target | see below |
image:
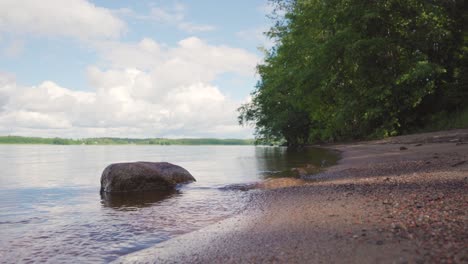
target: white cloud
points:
(190, 61)
(141, 89)
(7, 87)
(199, 109)
(35, 120)
(72, 18)
(190, 52)
(177, 16)
(147, 90)
(49, 98)
(173, 16)
(142, 55)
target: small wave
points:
(239, 187)
(201, 188)
(34, 220)
(268, 172)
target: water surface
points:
(51, 209)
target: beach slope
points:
(398, 200)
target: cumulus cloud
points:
(146, 90)
(7, 87)
(72, 18)
(139, 89)
(113, 110)
(190, 61)
(176, 16)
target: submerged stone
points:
(143, 176)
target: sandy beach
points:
(398, 200)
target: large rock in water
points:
(143, 176)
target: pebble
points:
(386, 202)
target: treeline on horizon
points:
(357, 69)
(123, 141)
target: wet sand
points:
(399, 200)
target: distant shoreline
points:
(10, 140)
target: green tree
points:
(352, 69)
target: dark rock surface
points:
(143, 176)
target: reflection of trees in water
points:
(274, 159)
(134, 199)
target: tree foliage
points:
(353, 69)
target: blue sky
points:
(81, 68)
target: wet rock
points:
(143, 176)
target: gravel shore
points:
(399, 200)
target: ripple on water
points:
(118, 226)
(51, 210)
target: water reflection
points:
(278, 162)
(135, 199)
(51, 211)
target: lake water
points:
(51, 209)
